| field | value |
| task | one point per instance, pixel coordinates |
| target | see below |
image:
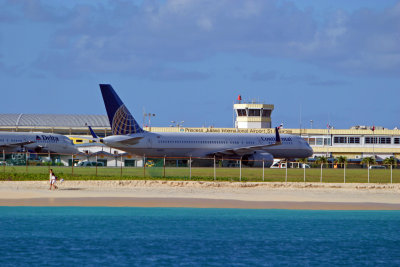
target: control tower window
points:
(254, 112)
(266, 113)
(241, 112)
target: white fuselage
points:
(56, 143)
(202, 144)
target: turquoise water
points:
(209, 237)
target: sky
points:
(335, 62)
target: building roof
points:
(53, 120)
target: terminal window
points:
(346, 140)
(241, 112)
(378, 140)
(354, 140)
(311, 141)
(318, 141)
(370, 140)
(327, 141)
(397, 140)
(340, 139)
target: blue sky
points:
(187, 60)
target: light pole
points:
(177, 124)
(149, 115)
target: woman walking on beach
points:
(52, 180)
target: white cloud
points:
(205, 24)
(123, 37)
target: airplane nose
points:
(106, 140)
(310, 152)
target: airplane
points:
(252, 149)
(36, 142)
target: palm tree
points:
(321, 160)
(341, 160)
(368, 160)
(390, 161)
(303, 160)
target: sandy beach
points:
(203, 195)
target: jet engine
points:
(256, 159)
(38, 149)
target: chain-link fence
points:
(27, 166)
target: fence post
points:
(240, 168)
(321, 173)
(344, 172)
(368, 171)
(190, 168)
(164, 167)
(26, 161)
(49, 160)
(391, 173)
(263, 170)
(144, 166)
(96, 165)
(72, 165)
(121, 166)
(286, 172)
(215, 172)
(304, 173)
(4, 164)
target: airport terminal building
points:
(354, 143)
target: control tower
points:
(253, 114)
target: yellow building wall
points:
(282, 131)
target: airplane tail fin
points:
(121, 120)
(277, 136)
(94, 135)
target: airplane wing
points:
(240, 151)
(131, 141)
(17, 144)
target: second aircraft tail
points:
(121, 120)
